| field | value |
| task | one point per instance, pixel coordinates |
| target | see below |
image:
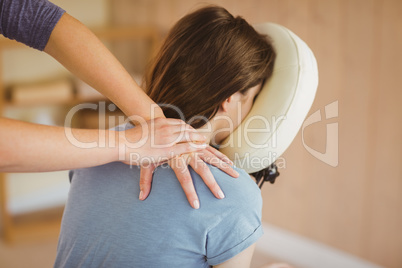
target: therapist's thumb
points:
(146, 180)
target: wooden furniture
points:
(47, 223)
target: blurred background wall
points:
(355, 205)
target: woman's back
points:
(105, 225)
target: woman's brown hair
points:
(207, 56)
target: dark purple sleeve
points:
(29, 21)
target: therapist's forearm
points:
(82, 53)
(26, 147)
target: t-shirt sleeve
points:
(238, 229)
(29, 21)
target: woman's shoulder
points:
(241, 193)
(242, 185)
(239, 217)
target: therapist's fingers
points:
(189, 135)
(146, 180)
(210, 158)
(219, 155)
(180, 168)
(177, 150)
(203, 170)
(186, 148)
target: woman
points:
(208, 72)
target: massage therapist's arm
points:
(80, 51)
(27, 147)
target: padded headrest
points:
(281, 106)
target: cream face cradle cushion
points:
(281, 106)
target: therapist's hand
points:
(162, 140)
(197, 160)
(156, 141)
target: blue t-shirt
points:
(106, 225)
(29, 21)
